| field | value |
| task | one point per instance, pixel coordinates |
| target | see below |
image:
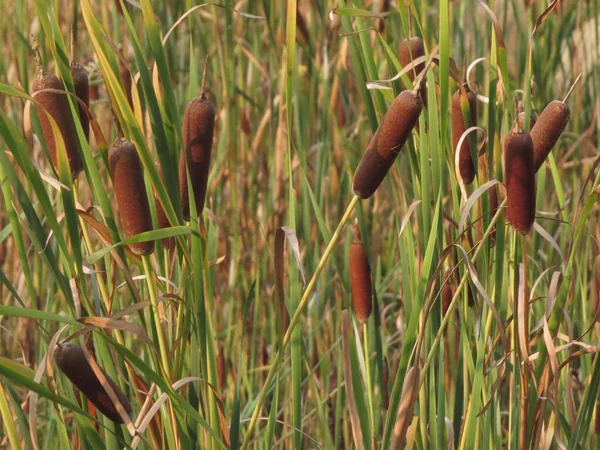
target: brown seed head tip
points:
(82, 90)
(394, 130)
(519, 178)
(71, 360)
(360, 281)
(198, 131)
(409, 51)
(465, 160)
(57, 105)
(130, 192)
(548, 128)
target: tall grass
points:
(242, 335)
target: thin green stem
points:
(296, 318)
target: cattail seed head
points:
(130, 192)
(57, 105)
(71, 360)
(386, 144)
(82, 90)
(519, 178)
(547, 130)
(127, 82)
(408, 51)
(446, 297)
(198, 130)
(360, 279)
(521, 119)
(465, 160)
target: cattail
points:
(57, 105)
(519, 178)
(161, 217)
(387, 142)
(446, 297)
(127, 82)
(82, 90)
(130, 191)
(466, 166)
(198, 130)
(409, 51)
(72, 362)
(547, 130)
(221, 367)
(532, 120)
(360, 279)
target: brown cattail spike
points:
(82, 90)
(57, 105)
(198, 130)
(71, 360)
(408, 51)
(547, 130)
(360, 279)
(130, 191)
(446, 295)
(465, 159)
(532, 120)
(394, 130)
(519, 178)
(127, 81)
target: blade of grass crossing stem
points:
(359, 70)
(444, 67)
(22, 421)
(586, 410)
(170, 188)
(272, 422)
(411, 333)
(34, 223)
(296, 347)
(7, 419)
(370, 66)
(235, 409)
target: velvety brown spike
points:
(127, 82)
(532, 120)
(130, 191)
(360, 279)
(386, 144)
(547, 130)
(57, 105)
(446, 297)
(519, 178)
(72, 362)
(198, 130)
(465, 160)
(82, 90)
(409, 51)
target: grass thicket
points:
(238, 330)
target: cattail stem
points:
(365, 330)
(164, 354)
(296, 318)
(525, 364)
(573, 87)
(454, 302)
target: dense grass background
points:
(195, 336)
